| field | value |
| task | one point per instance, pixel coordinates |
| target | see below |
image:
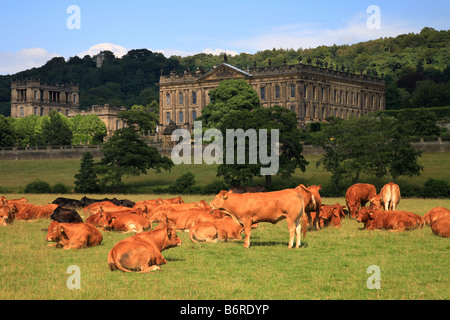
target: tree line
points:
(52, 129)
(415, 67)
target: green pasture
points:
(331, 264)
(15, 175)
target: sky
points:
(32, 32)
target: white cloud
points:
(313, 35)
(13, 62)
(118, 51)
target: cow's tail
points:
(193, 237)
(115, 265)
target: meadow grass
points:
(331, 264)
(15, 175)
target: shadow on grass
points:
(275, 243)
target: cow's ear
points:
(225, 195)
(61, 229)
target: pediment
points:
(225, 71)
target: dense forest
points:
(416, 68)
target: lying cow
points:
(68, 203)
(73, 235)
(28, 211)
(250, 208)
(441, 226)
(225, 229)
(332, 215)
(388, 198)
(374, 219)
(64, 215)
(435, 214)
(142, 252)
(126, 222)
(6, 215)
(357, 196)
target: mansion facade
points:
(313, 93)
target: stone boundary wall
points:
(427, 145)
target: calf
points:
(73, 235)
(6, 215)
(331, 215)
(64, 215)
(435, 214)
(390, 220)
(127, 222)
(225, 229)
(441, 226)
(142, 252)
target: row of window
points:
(339, 96)
(180, 117)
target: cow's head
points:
(55, 232)
(173, 239)
(336, 215)
(364, 214)
(375, 202)
(6, 215)
(105, 219)
(219, 201)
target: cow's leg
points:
(298, 231)
(247, 230)
(294, 227)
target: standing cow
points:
(357, 196)
(251, 208)
(388, 198)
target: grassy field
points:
(332, 264)
(15, 175)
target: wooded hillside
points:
(416, 68)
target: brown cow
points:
(357, 196)
(441, 226)
(435, 214)
(127, 222)
(73, 235)
(6, 215)
(393, 220)
(142, 252)
(313, 203)
(4, 201)
(28, 211)
(93, 208)
(225, 229)
(250, 208)
(331, 215)
(388, 198)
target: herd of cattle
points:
(228, 215)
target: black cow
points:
(64, 215)
(68, 203)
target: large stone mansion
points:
(312, 92)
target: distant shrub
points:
(60, 188)
(215, 187)
(182, 183)
(38, 186)
(434, 188)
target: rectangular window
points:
(167, 99)
(194, 97)
(36, 111)
(306, 91)
(42, 111)
(314, 93)
(293, 108)
(292, 91)
(167, 117)
(263, 93)
(21, 111)
(277, 92)
(35, 95)
(180, 117)
(181, 99)
(323, 94)
(194, 115)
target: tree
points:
(86, 180)
(7, 133)
(87, 129)
(235, 105)
(125, 154)
(375, 145)
(56, 130)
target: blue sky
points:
(32, 32)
